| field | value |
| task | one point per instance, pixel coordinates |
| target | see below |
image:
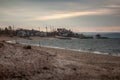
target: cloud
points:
(81, 13)
(73, 14)
(113, 6)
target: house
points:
(23, 33)
(64, 32)
(43, 34)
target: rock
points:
(27, 47)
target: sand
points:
(41, 63)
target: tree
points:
(9, 28)
(6, 31)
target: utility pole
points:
(13, 28)
(15, 34)
(46, 30)
(39, 28)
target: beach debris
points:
(27, 47)
(74, 69)
(45, 68)
(1, 45)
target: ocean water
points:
(104, 34)
(99, 46)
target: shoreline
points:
(45, 48)
(55, 64)
(55, 47)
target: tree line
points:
(8, 31)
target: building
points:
(22, 33)
(64, 32)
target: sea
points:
(109, 46)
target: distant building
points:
(64, 32)
(23, 33)
(28, 33)
(42, 34)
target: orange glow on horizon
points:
(98, 29)
(73, 14)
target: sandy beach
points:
(41, 63)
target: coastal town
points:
(61, 33)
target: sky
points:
(77, 15)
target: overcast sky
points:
(78, 15)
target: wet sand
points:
(41, 63)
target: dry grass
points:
(19, 63)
